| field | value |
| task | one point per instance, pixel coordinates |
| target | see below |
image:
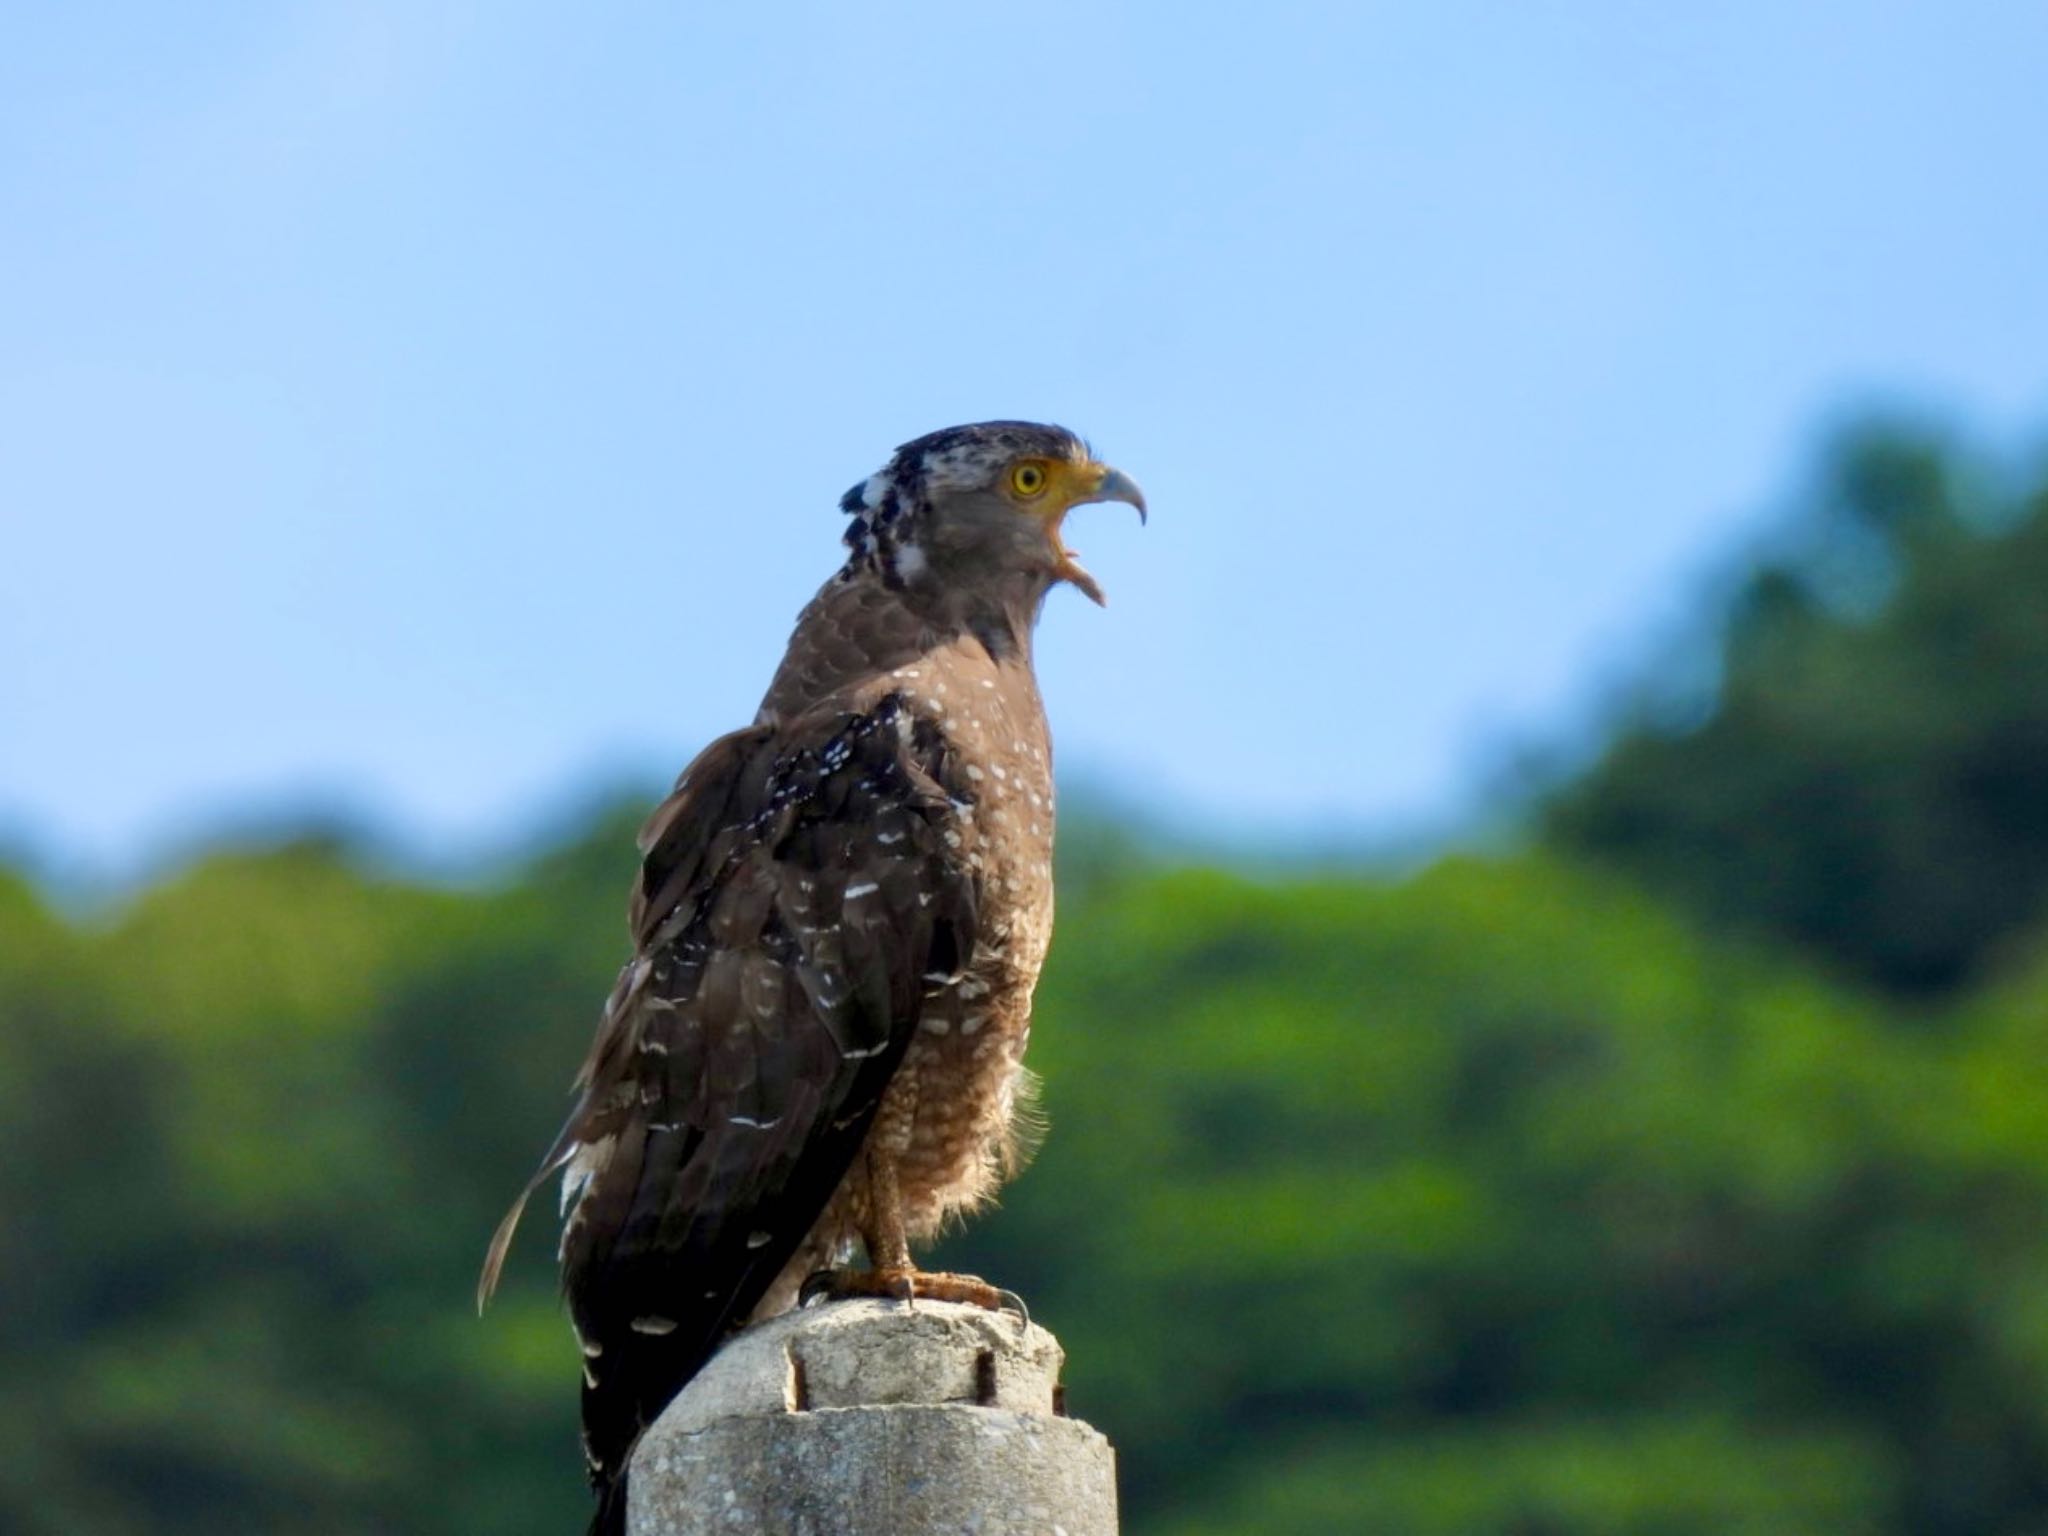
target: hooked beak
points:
(1095, 482)
(1114, 485)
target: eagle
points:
(816, 1051)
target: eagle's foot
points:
(849, 1284)
(909, 1286)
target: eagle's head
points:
(980, 505)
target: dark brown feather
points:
(797, 888)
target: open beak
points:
(1094, 482)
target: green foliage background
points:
(1683, 1172)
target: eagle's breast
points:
(959, 1109)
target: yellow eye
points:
(1027, 479)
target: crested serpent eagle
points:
(816, 1051)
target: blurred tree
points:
(252, 1130)
(1494, 1201)
(1871, 777)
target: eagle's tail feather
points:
(610, 1519)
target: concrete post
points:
(870, 1418)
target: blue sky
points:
(434, 409)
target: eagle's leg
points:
(887, 1235)
(891, 1272)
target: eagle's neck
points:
(862, 627)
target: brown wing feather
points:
(797, 888)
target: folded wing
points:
(798, 888)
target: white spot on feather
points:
(654, 1325)
(582, 1168)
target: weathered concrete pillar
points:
(870, 1418)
